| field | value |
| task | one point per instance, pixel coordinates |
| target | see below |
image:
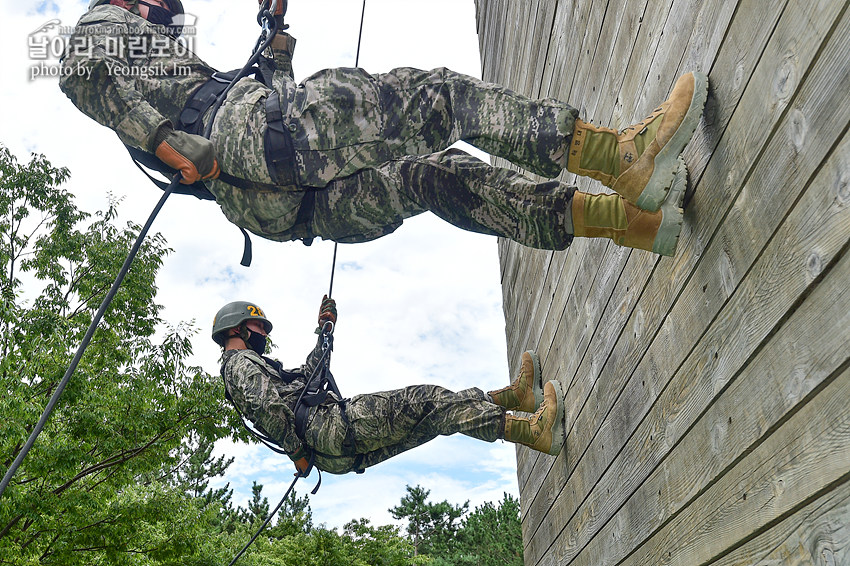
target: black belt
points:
(279, 151)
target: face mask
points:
(159, 16)
(257, 342)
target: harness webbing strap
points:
(280, 154)
(191, 117)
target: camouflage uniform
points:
(373, 147)
(381, 424)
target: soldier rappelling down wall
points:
(347, 156)
(342, 435)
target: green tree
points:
(258, 507)
(294, 517)
(99, 485)
(379, 546)
(192, 474)
(491, 535)
(432, 527)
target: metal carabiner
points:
(327, 335)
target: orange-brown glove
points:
(279, 10)
(193, 156)
(327, 312)
(302, 465)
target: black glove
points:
(193, 156)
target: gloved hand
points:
(327, 312)
(193, 156)
(281, 4)
(302, 465)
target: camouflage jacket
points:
(121, 72)
(263, 397)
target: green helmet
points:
(234, 314)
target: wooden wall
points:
(708, 394)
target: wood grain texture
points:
(656, 354)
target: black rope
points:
(356, 64)
(267, 521)
(333, 269)
(360, 34)
(270, 27)
(87, 338)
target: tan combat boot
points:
(526, 392)
(612, 216)
(640, 161)
(544, 430)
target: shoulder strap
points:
(285, 375)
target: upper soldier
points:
(345, 435)
(347, 156)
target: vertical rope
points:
(356, 64)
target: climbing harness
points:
(315, 392)
(208, 98)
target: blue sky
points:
(422, 305)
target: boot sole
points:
(672, 213)
(665, 163)
(559, 436)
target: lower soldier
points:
(353, 434)
(347, 156)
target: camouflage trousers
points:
(373, 148)
(382, 425)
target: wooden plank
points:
(539, 43)
(817, 534)
(800, 462)
(590, 16)
(664, 282)
(585, 74)
(610, 270)
(522, 46)
(569, 17)
(561, 44)
(578, 322)
(776, 283)
(513, 61)
(585, 271)
(578, 80)
(527, 339)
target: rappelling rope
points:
(356, 64)
(270, 27)
(326, 331)
(87, 338)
